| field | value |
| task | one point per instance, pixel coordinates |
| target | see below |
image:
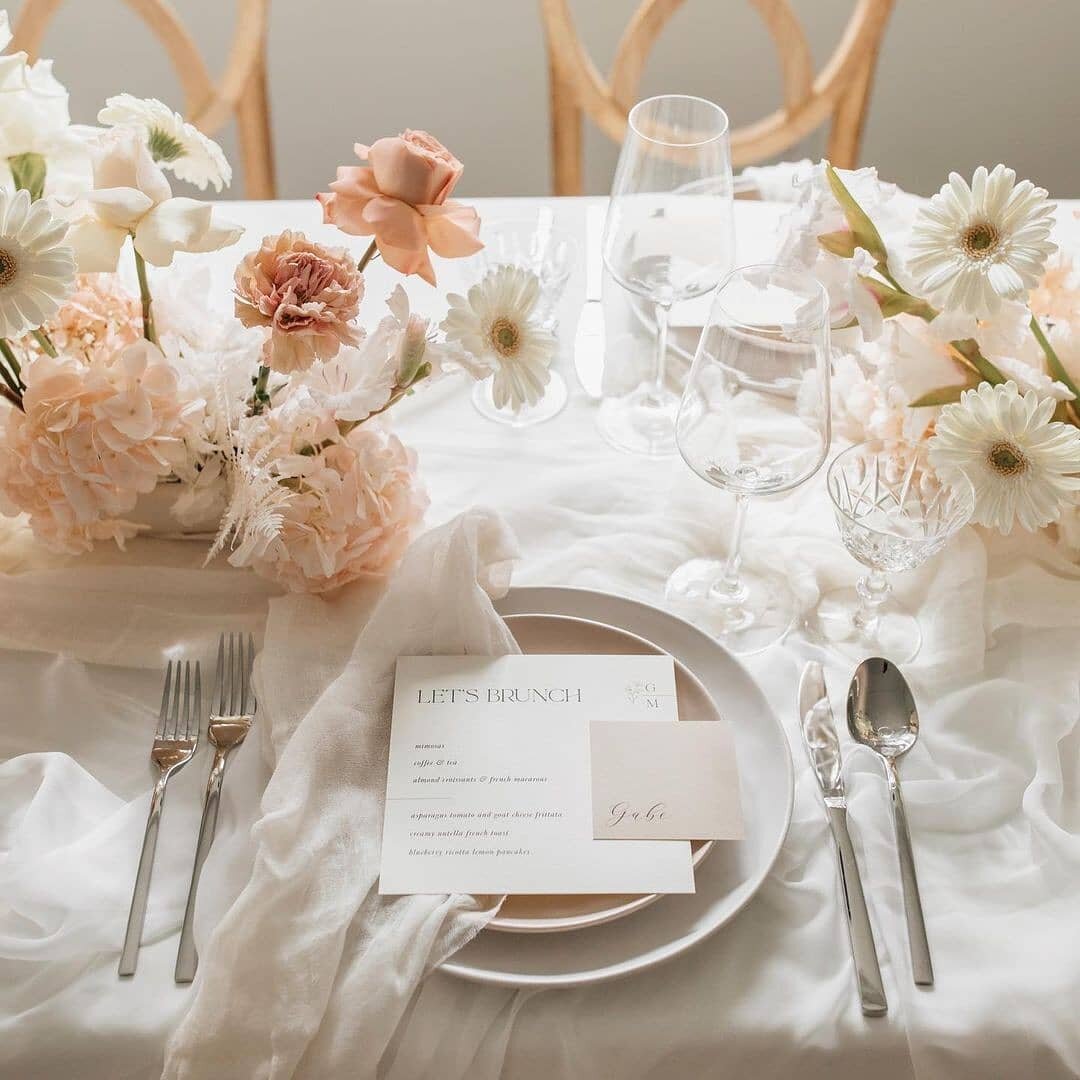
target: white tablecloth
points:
(993, 787)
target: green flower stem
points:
(1057, 369)
(260, 397)
(45, 342)
(9, 372)
(368, 255)
(9, 355)
(149, 330)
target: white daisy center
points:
(9, 267)
(980, 240)
(1007, 459)
(504, 335)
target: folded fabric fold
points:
(311, 970)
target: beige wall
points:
(961, 82)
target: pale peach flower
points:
(98, 319)
(402, 198)
(93, 438)
(350, 509)
(305, 294)
(1057, 295)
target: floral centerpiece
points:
(268, 421)
(958, 322)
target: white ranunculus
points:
(131, 196)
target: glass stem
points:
(873, 591)
(729, 589)
(663, 316)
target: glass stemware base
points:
(892, 632)
(550, 405)
(642, 422)
(758, 614)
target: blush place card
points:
(664, 781)
(488, 785)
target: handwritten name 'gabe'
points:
(500, 695)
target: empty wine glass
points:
(754, 420)
(893, 513)
(534, 244)
(668, 237)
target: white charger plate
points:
(725, 880)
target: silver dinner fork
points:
(175, 740)
(232, 711)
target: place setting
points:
(507, 545)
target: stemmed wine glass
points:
(668, 237)
(754, 420)
(893, 513)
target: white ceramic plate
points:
(725, 880)
(551, 634)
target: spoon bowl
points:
(881, 711)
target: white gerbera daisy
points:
(495, 324)
(174, 143)
(1022, 465)
(976, 246)
(37, 270)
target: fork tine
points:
(159, 731)
(174, 705)
(234, 682)
(250, 683)
(187, 699)
(219, 679)
(196, 714)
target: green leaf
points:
(28, 171)
(866, 234)
(841, 242)
(943, 395)
(969, 351)
(895, 302)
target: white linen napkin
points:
(311, 970)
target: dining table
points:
(992, 787)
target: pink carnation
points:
(306, 295)
(93, 438)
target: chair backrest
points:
(840, 90)
(208, 103)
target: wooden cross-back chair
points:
(208, 103)
(841, 89)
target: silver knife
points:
(589, 339)
(823, 749)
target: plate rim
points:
(674, 948)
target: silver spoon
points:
(881, 715)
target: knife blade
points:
(823, 749)
(589, 338)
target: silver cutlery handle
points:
(863, 949)
(921, 966)
(129, 955)
(187, 959)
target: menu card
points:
(489, 788)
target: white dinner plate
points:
(725, 881)
(552, 634)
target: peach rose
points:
(401, 198)
(305, 294)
